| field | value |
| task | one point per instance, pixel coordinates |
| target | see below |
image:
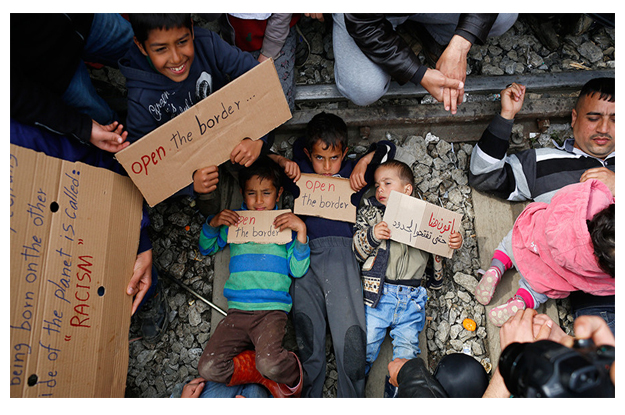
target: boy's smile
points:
(171, 51)
(326, 161)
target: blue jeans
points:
(221, 390)
(109, 40)
(606, 313)
(402, 308)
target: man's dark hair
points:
(601, 228)
(602, 86)
(403, 170)
(328, 128)
(143, 23)
(264, 168)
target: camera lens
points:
(508, 364)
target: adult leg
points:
(443, 25)
(356, 77)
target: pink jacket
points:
(551, 243)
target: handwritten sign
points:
(257, 226)
(163, 161)
(74, 238)
(418, 223)
(326, 197)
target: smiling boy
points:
(172, 66)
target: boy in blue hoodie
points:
(257, 291)
(172, 66)
(330, 294)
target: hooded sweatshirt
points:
(552, 246)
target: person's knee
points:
(354, 353)
(209, 368)
(304, 335)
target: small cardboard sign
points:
(257, 226)
(163, 161)
(418, 223)
(74, 237)
(326, 197)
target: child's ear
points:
(408, 189)
(139, 45)
(279, 193)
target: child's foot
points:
(486, 287)
(500, 314)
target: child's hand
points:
(205, 180)
(246, 152)
(512, 100)
(290, 220)
(455, 240)
(225, 217)
(381, 231)
(357, 178)
(193, 389)
(109, 137)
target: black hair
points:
(264, 168)
(601, 228)
(602, 86)
(403, 170)
(143, 23)
(329, 128)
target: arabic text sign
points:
(257, 226)
(326, 197)
(421, 224)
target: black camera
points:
(546, 369)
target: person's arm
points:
(276, 32)
(364, 242)
(362, 174)
(298, 250)
(214, 235)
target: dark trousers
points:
(240, 330)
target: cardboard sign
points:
(257, 226)
(74, 238)
(326, 197)
(163, 161)
(418, 223)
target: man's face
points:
(171, 51)
(326, 161)
(593, 126)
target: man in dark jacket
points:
(368, 53)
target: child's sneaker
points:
(486, 288)
(500, 314)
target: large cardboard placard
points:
(418, 223)
(163, 161)
(326, 197)
(74, 238)
(257, 226)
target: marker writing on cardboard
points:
(316, 186)
(20, 351)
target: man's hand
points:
(512, 100)
(141, 278)
(205, 180)
(453, 64)
(602, 174)
(108, 137)
(518, 328)
(393, 370)
(246, 152)
(436, 84)
(194, 388)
